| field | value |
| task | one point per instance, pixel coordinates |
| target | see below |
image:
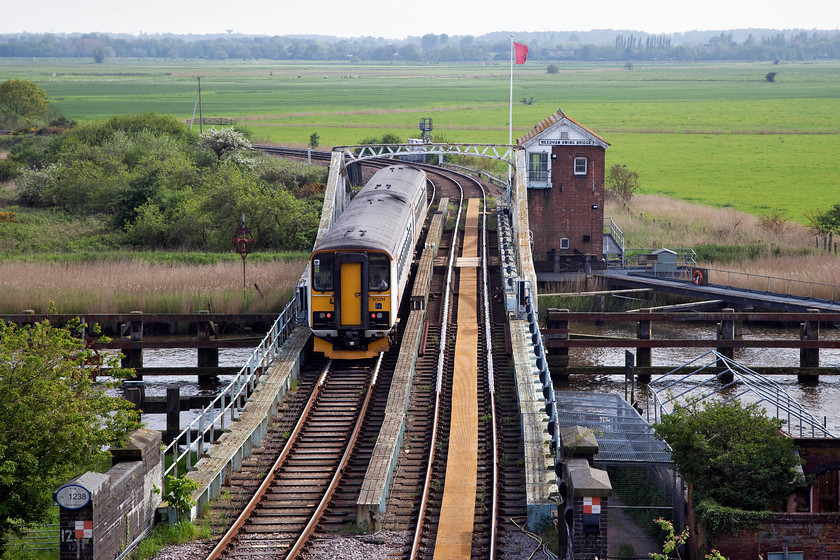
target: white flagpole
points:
(510, 115)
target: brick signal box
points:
(565, 196)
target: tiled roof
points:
(550, 121)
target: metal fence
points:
(40, 537)
(773, 285)
(231, 400)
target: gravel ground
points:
(188, 551)
(377, 546)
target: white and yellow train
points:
(359, 271)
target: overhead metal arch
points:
(501, 152)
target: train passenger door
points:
(351, 294)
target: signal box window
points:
(580, 166)
(538, 167)
(378, 277)
(322, 273)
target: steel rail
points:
(488, 335)
(339, 471)
(418, 530)
(234, 530)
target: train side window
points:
(379, 279)
(322, 272)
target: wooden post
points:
(809, 357)
(643, 355)
(557, 329)
(173, 411)
(133, 330)
(207, 357)
(726, 331)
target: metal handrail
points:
(231, 400)
(759, 283)
(612, 228)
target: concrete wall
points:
(122, 503)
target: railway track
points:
(292, 498)
(499, 441)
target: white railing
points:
(220, 413)
(612, 228)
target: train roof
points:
(379, 214)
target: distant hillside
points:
(598, 44)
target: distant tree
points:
(55, 422)
(100, 53)
(552, 69)
(622, 182)
(629, 65)
(22, 98)
(391, 138)
(314, 140)
(825, 222)
(770, 77)
(224, 141)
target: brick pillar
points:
(588, 492)
(100, 514)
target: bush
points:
(34, 184)
(8, 170)
(731, 453)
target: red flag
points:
(520, 53)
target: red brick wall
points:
(565, 210)
(817, 536)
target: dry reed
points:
(123, 286)
(653, 221)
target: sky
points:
(393, 19)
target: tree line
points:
(432, 48)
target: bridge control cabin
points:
(565, 197)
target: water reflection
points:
(821, 399)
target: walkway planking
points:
(455, 526)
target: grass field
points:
(714, 133)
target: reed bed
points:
(814, 275)
(127, 285)
(653, 221)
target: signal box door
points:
(351, 294)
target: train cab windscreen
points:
(378, 273)
(322, 272)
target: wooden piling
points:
(173, 410)
(557, 329)
(726, 331)
(809, 357)
(643, 355)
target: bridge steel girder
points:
(501, 152)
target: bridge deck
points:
(733, 296)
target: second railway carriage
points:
(359, 270)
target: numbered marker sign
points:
(72, 496)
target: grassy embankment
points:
(716, 134)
